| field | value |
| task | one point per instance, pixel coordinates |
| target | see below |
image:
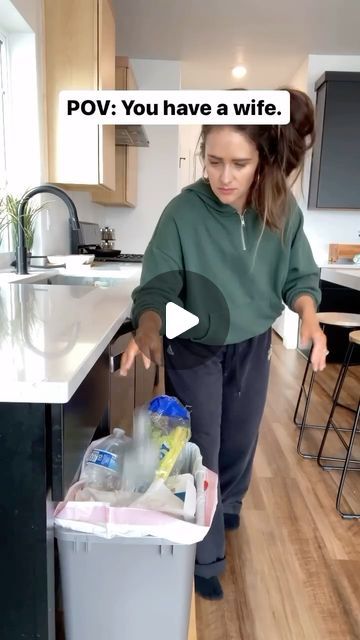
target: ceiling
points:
(270, 37)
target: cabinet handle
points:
(115, 363)
(115, 358)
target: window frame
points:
(4, 96)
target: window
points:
(4, 232)
(2, 112)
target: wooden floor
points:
(293, 569)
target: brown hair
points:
(281, 150)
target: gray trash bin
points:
(125, 588)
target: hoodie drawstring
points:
(238, 360)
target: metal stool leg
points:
(337, 382)
(303, 425)
(345, 514)
(335, 403)
(302, 390)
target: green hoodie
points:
(198, 234)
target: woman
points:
(239, 231)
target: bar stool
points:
(339, 319)
(350, 464)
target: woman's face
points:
(231, 159)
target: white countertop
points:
(338, 265)
(52, 335)
(345, 277)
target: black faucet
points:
(21, 251)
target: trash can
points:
(124, 589)
(126, 573)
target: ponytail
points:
(297, 137)
(282, 150)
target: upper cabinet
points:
(126, 157)
(334, 179)
(80, 54)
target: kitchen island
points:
(54, 396)
(340, 292)
(344, 275)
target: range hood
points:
(130, 135)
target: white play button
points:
(178, 320)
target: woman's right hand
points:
(147, 341)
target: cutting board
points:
(342, 251)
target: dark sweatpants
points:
(226, 394)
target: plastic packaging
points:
(104, 466)
(141, 455)
(176, 497)
(170, 422)
(160, 433)
(183, 487)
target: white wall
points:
(190, 167)
(300, 79)
(27, 87)
(23, 157)
(325, 226)
(158, 166)
(30, 10)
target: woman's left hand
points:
(311, 332)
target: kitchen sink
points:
(82, 281)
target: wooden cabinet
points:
(79, 54)
(134, 390)
(122, 389)
(126, 157)
(334, 180)
(343, 251)
(145, 382)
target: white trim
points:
(4, 87)
(4, 110)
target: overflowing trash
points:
(130, 467)
(151, 484)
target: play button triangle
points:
(178, 320)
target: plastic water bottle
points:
(104, 466)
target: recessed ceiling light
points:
(239, 72)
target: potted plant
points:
(9, 217)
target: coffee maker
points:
(107, 242)
(90, 238)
